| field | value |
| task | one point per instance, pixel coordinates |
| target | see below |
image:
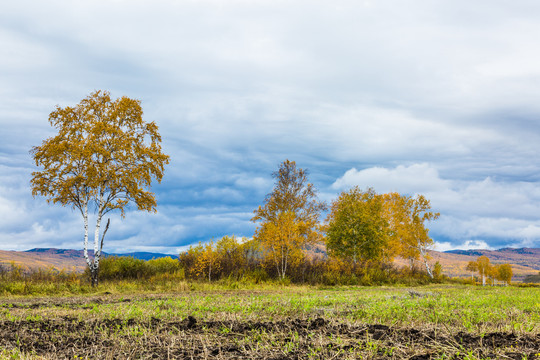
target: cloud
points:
(478, 210)
(433, 98)
(412, 179)
(467, 245)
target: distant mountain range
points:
(67, 259)
(525, 261)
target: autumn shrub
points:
(188, 260)
(129, 268)
(256, 276)
(121, 268)
(165, 265)
(13, 272)
(527, 285)
(34, 277)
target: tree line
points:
(362, 233)
(104, 156)
(490, 272)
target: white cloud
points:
(474, 209)
(258, 183)
(467, 245)
(417, 178)
(417, 97)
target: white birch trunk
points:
(85, 218)
(424, 257)
(285, 261)
(97, 247)
(93, 265)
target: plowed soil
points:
(291, 338)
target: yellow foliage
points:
(207, 261)
(289, 217)
(104, 155)
(103, 152)
(357, 229)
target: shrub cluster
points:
(244, 260)
(14, 272)
(129, 268)
(230, 259)
(16, 280)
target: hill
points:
(524, 261)
(527, 257)
(61, 259)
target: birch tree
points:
(420, 213)
(472, 266)
(103, 157)
(483, 265)
(357, 229)
(504, 273)
(289, 217)
(208, 261)
(407, 216)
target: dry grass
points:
(435, 322)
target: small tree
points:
(289, 216)
(472, 266)
(406, 217)
(357, 229)
(283, 240)
(437, 270)
(483, 267)
(229, 251)
(421, 213)
(505, 273)
(104, 156)
(396, 211)
(208, 261)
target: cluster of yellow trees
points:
(489, 272)
(230, 256)
(362, 229)
(364, 225)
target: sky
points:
(439, 98)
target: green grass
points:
(152, 322)
(466, 308)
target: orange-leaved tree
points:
(406, 216)
(420, 213)
(229, 250)
(396, 211)
(208, 260)
(483, 267)
(289, 216)
(104, 156)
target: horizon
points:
(176, 254)
(417, 98)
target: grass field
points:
(431, 322)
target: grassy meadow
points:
(271, 321)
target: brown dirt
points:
(293, 338)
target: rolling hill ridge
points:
(524, 261)
(61, 259)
